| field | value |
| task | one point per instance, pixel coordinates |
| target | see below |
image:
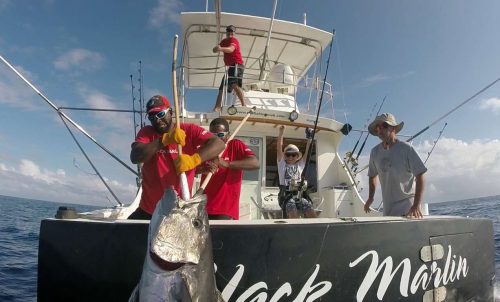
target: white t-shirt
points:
(288, 172)
(396, 168)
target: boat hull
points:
(327, 260)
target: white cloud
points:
(28, 180)
(97, 99)
(381, 77)
(165, 11)
(492, 104)
(79, 59)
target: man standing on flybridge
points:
(230, 46)
(397, 165)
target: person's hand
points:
(309, 133)
(281, 130)
(221, 163)
(368, 203)
(212, 167)
(174, 136)
(414, 212)
(185, 162)
(216, 49)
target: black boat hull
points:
(81, 260)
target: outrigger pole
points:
(446, 114)
(62, 114)
(309, 152)
(264, 58)
(90, 162)
(452, 110)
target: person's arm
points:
(228, 49)
(248, 163)
(279, 144)
(211, 148)
(415, 210)
(308, 145)
(142, 152)
(372, 184)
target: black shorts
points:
(285, 196)
(235, 76)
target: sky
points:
(426, 57)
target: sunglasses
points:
(219, 134)
(161, 114)
(291, 154)
(383, 125)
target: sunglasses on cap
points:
(291, 154)
(220, 134)
(161, 114)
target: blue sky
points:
(425, 56)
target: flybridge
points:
(292, 44)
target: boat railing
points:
(280, 80)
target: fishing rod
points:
(309, 152)
(133, 103)
(141, 92)
(58, 110)
(366, 138)
(350, 154)
(435, 143)
(138, 179)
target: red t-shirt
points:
(158, 173)
(223, 190)
(233, 58)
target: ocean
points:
(20, 222)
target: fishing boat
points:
(343, 255)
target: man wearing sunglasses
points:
(156, 148)
(230, 47)
(223, 190)
(290, 167)
(398, 166)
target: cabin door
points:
(250, 186)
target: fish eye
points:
(197, 223)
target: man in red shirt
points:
(230, 47)
(223, 190)
(156, 147)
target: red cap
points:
(157, 103)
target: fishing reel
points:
(295, 185)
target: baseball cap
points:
(157, 103)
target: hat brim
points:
(372, 128)
(156, 109)
(300, 154)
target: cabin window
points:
(254, 143)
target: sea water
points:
(20, 224)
